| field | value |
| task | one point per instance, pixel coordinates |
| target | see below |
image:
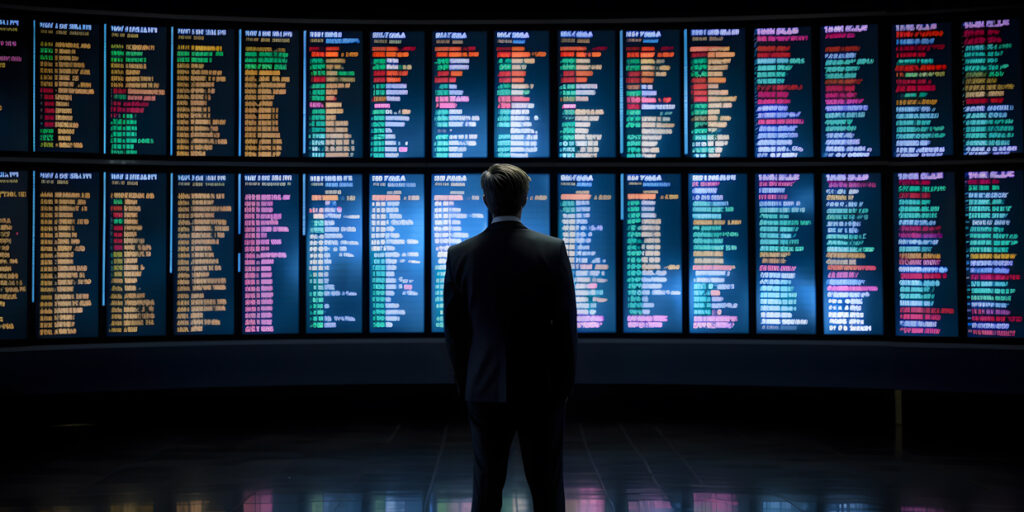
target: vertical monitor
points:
(398, 96)
(138, 85)
(334, 94)
(716, 92)
(15, 251)
(15, 84)
(136, 254)
(719, 265)
(334, 253)
(68, 246)
(397, 211)
(270, 226)
(652, 247)
(994, 205)
(522, 98)
(457, 212)
(990, 51)
(586, 223)
(271, 93)
(783, 93)
(785, 244)
(852, 260)
(204, 213)
(586, 93)
(206, 104)
(459, 119)
(850, 120)
(926, 254)
(650, 94)
(69, 87)
(922, 81)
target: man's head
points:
(505, 189)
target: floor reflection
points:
(428, 468)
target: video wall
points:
(127, 88)
(167, 179)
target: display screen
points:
(460, 95)
(922, 80)
(15, 260)
(15, 84)
(994, 202)
(783, 94)
(537, 212)
(271, 209)
(719, 275)
(69, 237)
(717, 99)
(69, 89)
(652, 253)
(586, 94)
(204, 253)
(586, 223)
(205, 108)
(926, 254)
(786, 291)
(334, 253)
(138, 68)
(334, 94)
(397, 253)
(136, 249)
(457, 213)
(271, 93)
(522, 126)
(852, 259)
(991, 86)
(398, 98)
(650, 91)
(849, 83)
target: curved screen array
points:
(106, 87)
(112, 254)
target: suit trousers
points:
(540, 426)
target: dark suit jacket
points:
(510, 316)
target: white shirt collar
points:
(505, 218)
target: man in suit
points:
(510, 325)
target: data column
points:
(586, 223)
(926, 254)
(397, 211)
(334, 94)
(15, 264)
(69, 87)
(995, 220)
(653, 253)
(786, 290)
(719, 265)
(334, 253)
(271, 212)
(68, 248)
(138, 63)
(136, 254)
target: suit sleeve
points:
(457, 329)
(564, 320)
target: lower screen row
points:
(86, 254)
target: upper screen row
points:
(770, 92)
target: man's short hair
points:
(506, 187)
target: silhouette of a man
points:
(510, 325)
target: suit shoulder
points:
(547, 241)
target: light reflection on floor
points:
(428, 468)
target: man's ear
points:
(486, 202)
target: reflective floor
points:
(423, 463)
